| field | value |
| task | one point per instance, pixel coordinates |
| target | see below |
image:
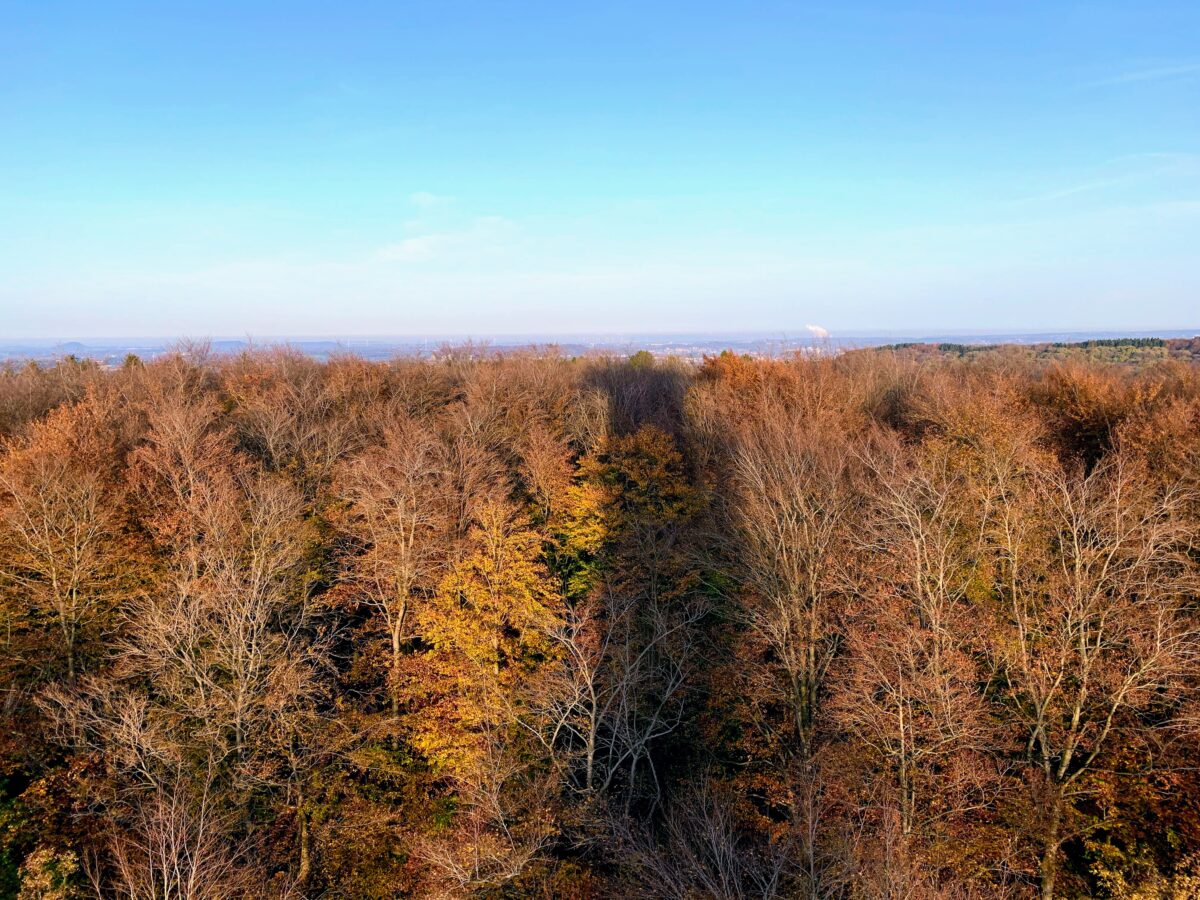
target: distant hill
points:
(1134, 351)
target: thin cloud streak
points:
(428, 200)
(1085, 188)
(1167, 164)
(1161, 73)
(482, 236)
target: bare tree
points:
(703, 851)
(398, 523)
(60, 541)
(907, 686)
(792, 507)
(619, 687)
(505, 823)
(1094, 639)
(296, 415)
(174, 845)
(216, 672)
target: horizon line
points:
(552, 337)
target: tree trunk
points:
(1048, 868)
(68, 633)
(591, 758)
(305, 845)
(394, 687)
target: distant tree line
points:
(886, 624)
(1135, 351)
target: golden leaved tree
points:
(489, 627)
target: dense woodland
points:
(1135, 351)
(879, 625)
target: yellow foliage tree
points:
(489, 627)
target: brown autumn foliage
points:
(876, 625)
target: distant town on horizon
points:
(683, 345)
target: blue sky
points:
(362, 168)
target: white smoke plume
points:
(817, 331)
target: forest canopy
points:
(914, 623)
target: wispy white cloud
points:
(484, 235)
(1125, 170)
(1086, 187)
(415, 249)
(426, 200)
(1163, 156)
(441, 230)
(1157, 73)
